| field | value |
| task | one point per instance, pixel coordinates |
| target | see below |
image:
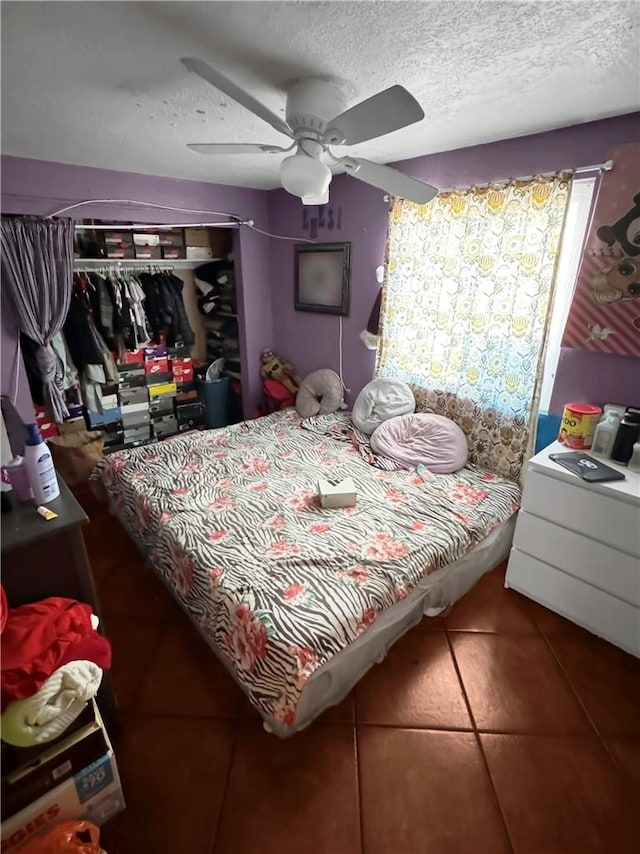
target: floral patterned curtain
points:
(468, 287)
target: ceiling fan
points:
(316, 119)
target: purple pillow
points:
(422, 439)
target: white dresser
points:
(576, 548)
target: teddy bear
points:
(274, 368)
(618, 282)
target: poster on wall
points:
(605, 311)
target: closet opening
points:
(160, 306)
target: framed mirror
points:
(322, 277)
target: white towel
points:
(47, 713)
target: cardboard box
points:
(97, 420)
(136, 422)
(136, 434)
(183, 375)
(192, 424)
(178, 351)
(161, 406)
(335, 494)
(131, 396)
(186, 396)
(199, 253)
(110, 401)
(197, 237)
(156, 352)
(131, 377)
(163, 390)
(119, 252)
(173, 253)
(171, 237)
(146, 239)
(93, 793)
(159, 379)
(29, 773)
(150, 253)
(157, 366)
(118, 238)
(112, 440)
(187, 411)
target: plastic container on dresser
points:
(576, 548)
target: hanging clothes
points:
(165, 309)
(78, 326)
(102, 303)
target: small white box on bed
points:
(342, 494)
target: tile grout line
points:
(358, 778)
(582, 705)
(134, 696)
(476, 734)
(227, 778)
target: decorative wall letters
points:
(324, 216)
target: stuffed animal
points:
(274, 368)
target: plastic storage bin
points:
(215, 394)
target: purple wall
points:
(39, 187)
(266, 265)
(311, 341)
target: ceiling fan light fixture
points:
(305, 177)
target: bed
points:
(298, 601)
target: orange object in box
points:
(578, 425)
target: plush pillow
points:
(379, 400)
(320, 393)
(422, 438)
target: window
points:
(575, 229)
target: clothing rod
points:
(607, 166)
(165, 227)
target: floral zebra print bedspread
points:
(231, 520)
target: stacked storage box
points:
(172, 244)
(134, 405)
(73, 777)
(190, 413)
(162, 392)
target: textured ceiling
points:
(100, 83)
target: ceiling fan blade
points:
(234, 148)
(394, 182)
(202, 69)
(390, 110)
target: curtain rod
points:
(607, 166)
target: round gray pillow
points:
(379, 400)
(320, 393)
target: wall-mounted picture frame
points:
(322, 277)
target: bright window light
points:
(575, 228)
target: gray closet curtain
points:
(37, 278)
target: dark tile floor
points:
(498, 728)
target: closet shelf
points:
(178, 263)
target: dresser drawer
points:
(599, 517)
(613, 571)
(600, 613)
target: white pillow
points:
(423, 438)
(379, 400)
(320, 393)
